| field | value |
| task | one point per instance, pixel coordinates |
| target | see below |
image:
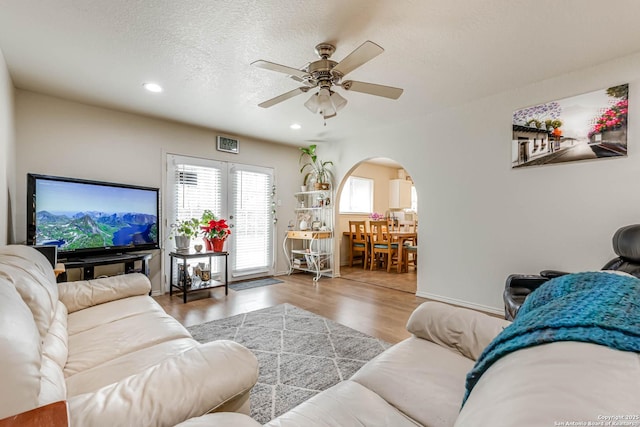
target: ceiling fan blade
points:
(363, 53)
(279, 68)
(373, 89)
(278, 99)
(303, 81)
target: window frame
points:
(348, 189)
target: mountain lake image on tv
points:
(81, 216)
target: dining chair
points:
(358, 242)
(410, 256)
(407, 226)
(382, 247)
(393, 224)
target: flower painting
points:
(583, 127)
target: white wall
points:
(7, 154)
(480, 220)
(64, 138)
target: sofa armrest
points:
(87, 293)
(200, 380)
(463, 330)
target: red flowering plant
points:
(216, 229)
(212, 227)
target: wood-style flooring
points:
(378, 311)
(405, 282)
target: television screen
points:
(90, 217)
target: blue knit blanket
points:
(595, 307)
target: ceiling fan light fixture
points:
(325, 106)
(338, 101)
(312, 104)
(326, 103)
(329, 114)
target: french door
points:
(241, 194)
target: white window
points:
(196, 188)
(241, 194)
(357, 196)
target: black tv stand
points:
(88, 263)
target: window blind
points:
(252, 205)
(197, 188)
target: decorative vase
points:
(208, 244)
(218, 244)
(182, 242)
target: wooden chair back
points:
(358, 231)
(358, 242)
(382, 248)
(407, 226)
(379, 232)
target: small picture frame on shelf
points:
(315, 225)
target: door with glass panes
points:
(241, 194)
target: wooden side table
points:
(52, 415)
(183, 284)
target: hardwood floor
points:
(379, 311)
(405, 282)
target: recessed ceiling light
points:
(152, 87)
(295, 126)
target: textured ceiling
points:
(441, 52)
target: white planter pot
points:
(183, 242)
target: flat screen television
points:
(84, 218)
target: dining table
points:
(400, 237)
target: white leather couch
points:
(109, 350)
(421, 381)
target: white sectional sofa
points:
(109, 350)
(421, 382)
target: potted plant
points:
(207, 216)
(215, 231)
(317, 169)
(183, 230)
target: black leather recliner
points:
(626, 244)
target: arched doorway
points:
(377, 187)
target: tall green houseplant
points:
(316, 169)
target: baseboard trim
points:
(461, 303)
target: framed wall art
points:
(583, 127)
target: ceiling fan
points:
(325, 74)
